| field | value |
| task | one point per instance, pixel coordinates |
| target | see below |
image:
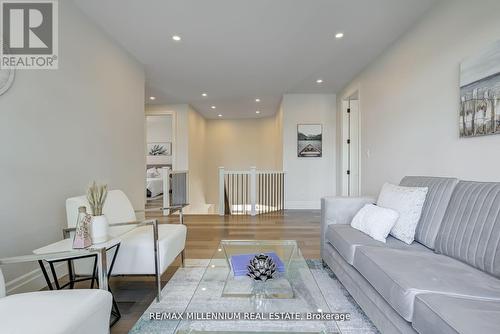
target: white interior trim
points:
(34, 280)
(302, 205)
(344, 179)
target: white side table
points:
(66, 245)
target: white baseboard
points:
(34, 280)
(303, 205)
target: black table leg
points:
(45, 275)
(54, 275)
(71, 274)
(113, 260)
(115, 311)
(94, 272)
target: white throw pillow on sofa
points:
(408, 202)
(375, 221)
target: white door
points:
(350, 146)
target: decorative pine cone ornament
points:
(261, 268)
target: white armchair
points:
(55, 312)
(143, 250)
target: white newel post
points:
(221, 192)
(166, 189)
(253, 191)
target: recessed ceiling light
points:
(319, 81)
(220, 115)
(152, 98)
(176, 38)
(257, 100)
(213, 107)
(339, 35)
(257, 112)
(204, 94)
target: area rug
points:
(180, 289)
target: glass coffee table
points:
(292, 302)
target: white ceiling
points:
(238, 50)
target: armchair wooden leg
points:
(183, 259)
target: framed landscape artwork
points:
(479, 113)
(309, 140)
(159, 149)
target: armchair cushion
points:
(56, 312)
(136, 255)
(117, 209)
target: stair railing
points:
(251, 192)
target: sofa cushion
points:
(436, 202)
(470, 231)
(345, 239)
(454, 315)
(399, 275)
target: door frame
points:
(159, 112)
(174, 130)
(344, 146)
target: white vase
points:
(99, 229)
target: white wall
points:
(61, 129)
(238, 145)
(203, 145)
(279, 133)
(410, 100)
(308, 179)
(197, 154)
(159, 130)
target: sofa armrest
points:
(339, 210)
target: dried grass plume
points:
(96, 195)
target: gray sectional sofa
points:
(447, 281)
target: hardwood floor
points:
(135, 294)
